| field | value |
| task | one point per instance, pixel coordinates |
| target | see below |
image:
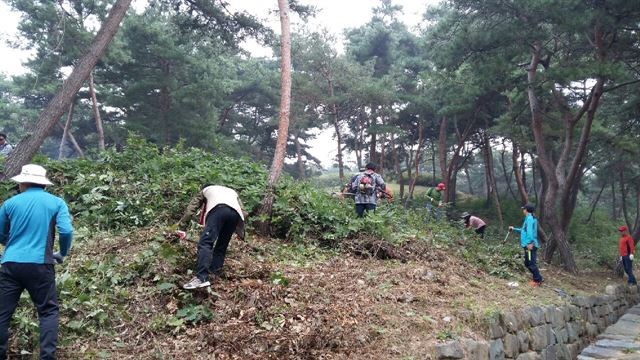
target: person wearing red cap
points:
(625, 246)
(434, 197)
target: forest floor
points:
(298, 301)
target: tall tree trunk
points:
(397, 166)
(374, 144)
(543, 190)
(522, 190)
(492, 188)
(636, 227)
(336, 126)
(595, 203)
(96, 113)
(339, 153)
(224, 117)
(359, 141)
(407, 162)
(451, 167)
(468, 177)
(507, 177)
(283, 123)
(614, 213)
(442, 150)
(523, 169)
(381, 164)
(534, 166)
(416, 163)
(65, 131)
(299, 157)
(164, 102)
(623, 200)
(30, 144)
(487, 181)
(562, 173)
(433, 161)
(72, 140)
(453, 188)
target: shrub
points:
(143, 185)
(424, 180)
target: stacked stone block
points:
(545, 332)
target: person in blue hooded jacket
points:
(27, 231)
(529, 242)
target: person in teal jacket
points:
(529, 242)
(28, 222)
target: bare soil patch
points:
(284, 301)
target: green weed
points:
(443, 335)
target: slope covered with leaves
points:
(328, 286)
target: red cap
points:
(622, 228)
(441, 186)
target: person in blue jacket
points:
(529, 242)
(27, 231)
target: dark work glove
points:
(59, 259)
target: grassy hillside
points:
(327, 286)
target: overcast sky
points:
(334, 15)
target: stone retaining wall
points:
(545, 333)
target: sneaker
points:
(196, 283)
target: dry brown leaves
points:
(348, 307)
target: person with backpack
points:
(366, 186)
(625, 247)
(434, 200)
(348, 191)
(474, 222)
(221, 214)
(28, 222)
(529, 242)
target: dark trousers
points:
(628, 268)
(220, 224)
(480, 231)
(40, 282)
(361, 208)
(530, 261)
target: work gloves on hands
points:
(181, 234)
(631, 257)
(59, 259)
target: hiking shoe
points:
(534, 283)
(196, 283)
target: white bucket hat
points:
(34, 174)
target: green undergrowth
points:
(494, 255)
(97, 285)
(594, 242)
(124, 204)
(144, 185)
(597, 240)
